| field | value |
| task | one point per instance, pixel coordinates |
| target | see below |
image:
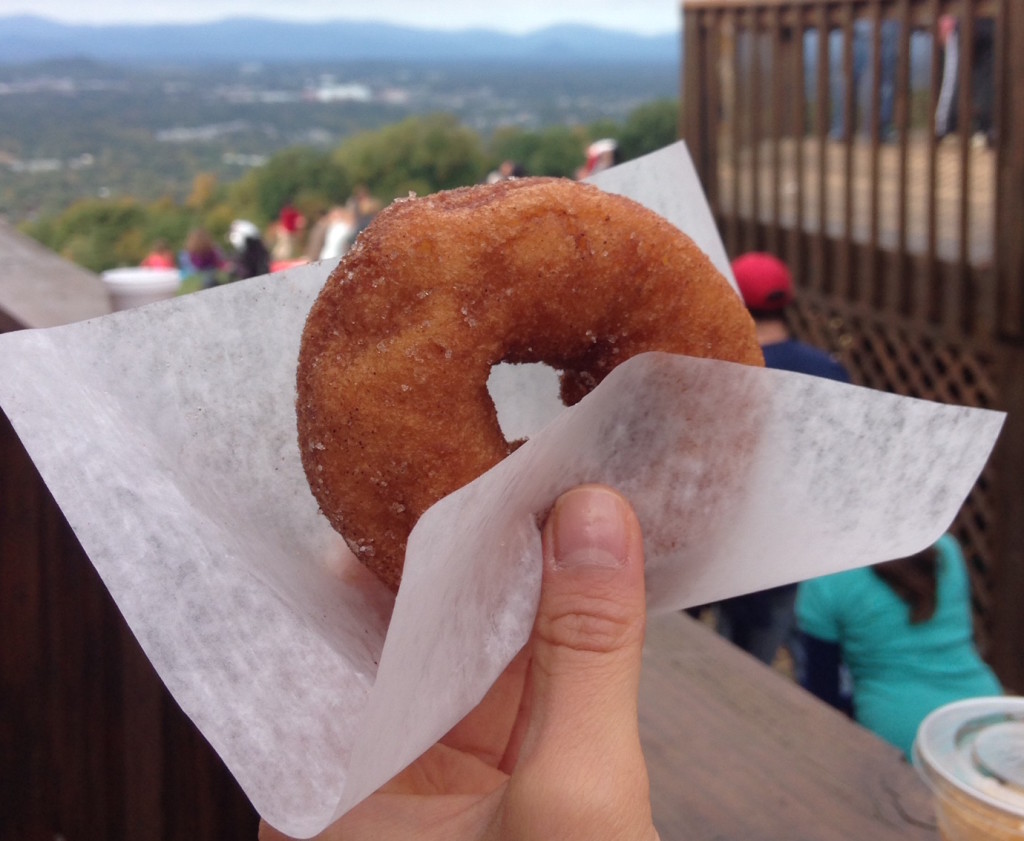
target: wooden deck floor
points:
(917, 195)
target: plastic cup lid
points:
(977, 747)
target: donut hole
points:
(525, 396)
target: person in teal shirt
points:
(904, 630)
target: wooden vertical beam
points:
(844, 275)
(821, 279)
(774, 81)
(714, 103)
(901, 116)
(700, 120)
(872, 269)
(965, 109)
(1008, 620)
(24, 783)
(735, 241)
(693, 117)
(142, 703)
(756, 120)
(798, 261)
(1009, 186)
(932, 306)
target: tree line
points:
(421, 154)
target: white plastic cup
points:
(137, 285)
(971, 755)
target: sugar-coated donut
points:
(392, 403)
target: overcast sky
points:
(644, 16)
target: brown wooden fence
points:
(906, 236)
(92, 746)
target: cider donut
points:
(392, 403)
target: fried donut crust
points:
(392, 404)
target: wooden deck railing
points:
(92, 746)
(906, 243)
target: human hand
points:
(553, 751)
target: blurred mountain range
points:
(29, 38)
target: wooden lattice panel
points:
(886, 354)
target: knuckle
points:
(598, 625)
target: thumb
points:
(588, 635)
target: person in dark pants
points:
(981, 118)
(251, 258)
(859, 87)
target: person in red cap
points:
(760, 623)
(766, 285)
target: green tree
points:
(97, 234)
(205, 189)
(556, 151)
(102, 234)
(603, 128)
(166, 220)
(420, 155)
(287, 176)
(649, 128)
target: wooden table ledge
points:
(738, 751)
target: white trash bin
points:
(137, 285)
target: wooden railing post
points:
(1008, 618)
(695, 121)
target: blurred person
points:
(507, 170)
(339, 232)
(317, 234)
(161, 256)
(287, 233)
(981, 119)
(904, 630)
(365, 206)
(766, 286)
(200, 258)
(950, 45)
(760, 623)
(553, 751)
(601, 155)
(251, 258)
(860, 86)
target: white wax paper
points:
(167, 435)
